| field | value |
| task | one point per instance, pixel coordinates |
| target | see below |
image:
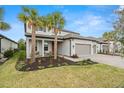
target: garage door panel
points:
(83, 49)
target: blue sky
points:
(87, 20)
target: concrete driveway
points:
(116, 61)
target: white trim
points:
(42, 48)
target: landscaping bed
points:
(41, 63)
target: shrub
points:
(65, 64)
(75, 56)
(22, 56)
(21, 44)
(89, 60)
(20, 65)
(16, 50)
(82, 62)
(8, 53)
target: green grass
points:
(97, 75)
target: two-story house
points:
(69, 43)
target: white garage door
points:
(83, 49)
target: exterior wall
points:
(39, 31)
(60, 48)
(7, 44)
(72, 47)
(97, 46)
(66, 48)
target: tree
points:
(3, 25)
(21, 44)
(119, 27)
(30, 16)
(110, 36)
(56, 22)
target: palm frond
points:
(4, 26)
(34, 12)
(25, 9)
(61, 23)
(22, 17)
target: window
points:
(35, 48)
(46, 46)
(41, 29)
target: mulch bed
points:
(44, 62)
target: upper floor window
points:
(41, 29)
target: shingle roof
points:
(73, 36)
(70, 31)
(2, 36)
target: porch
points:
(43, 48)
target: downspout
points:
(70, 47)
(0, 45)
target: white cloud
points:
(89, 21)
(121, 7)
(90, 24)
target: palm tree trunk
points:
(55, 45)
(33, 45)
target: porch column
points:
(92, 49)
(27, 48)
(42, 48)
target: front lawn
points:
(97, 75)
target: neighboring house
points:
(69, 43)
(114, 47)
(6, 44)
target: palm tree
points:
(3, 25)
(31, 17)
(56, 22)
